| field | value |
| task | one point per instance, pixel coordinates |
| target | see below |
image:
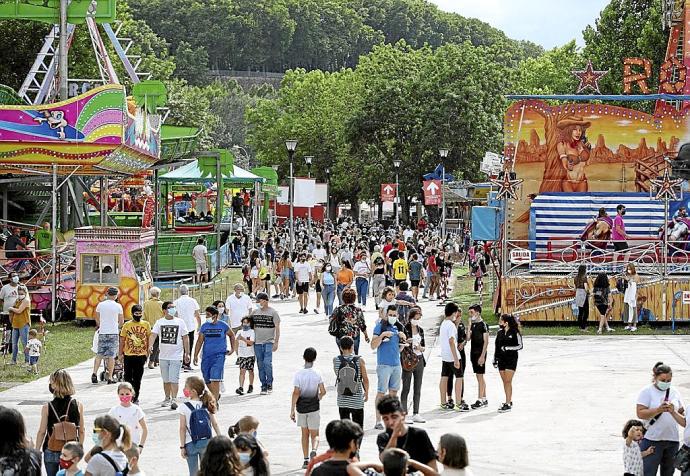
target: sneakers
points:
(451, 402)
(312, 455)
(633, 329)
(264, 391)
(598, 331)
(270, 389)
(250, 389)
(479, 404)
(627, 328)
(305, 464)
(239, 391)
(173, 404)
(447, 406)
(506, 407)
(418, 419)
(378, 426)
(408, 419)
(165, 403)
(316, 311)
(462, 407)
(94, 378)
(608, 329)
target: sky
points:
(549, 23)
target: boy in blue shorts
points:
(213, 336)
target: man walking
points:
(109, 318)
(619, 236)
(153, 310)
(267, 330)
(303, 276)
(174, 350)
(479, 344)
(451, 365)
(188, 310)
(239, 305)
(306, 397)
(200, 255)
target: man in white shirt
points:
(8, 296)
(173, 348)
(451, 365)
(304, 409)
(319, 252)
(109, 318)
(200, 254)
(188, 310)
(239, 305)
(303, 277)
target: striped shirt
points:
(355, 401)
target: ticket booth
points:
(112, 256)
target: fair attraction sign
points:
(432, 192)
(388, 192)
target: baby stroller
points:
(118, 371)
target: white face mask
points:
(392, 320)
(15, 279)
(414, 322)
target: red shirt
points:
(421, 224)
(432, 265)
(387, 247)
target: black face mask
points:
(136, 318)
(50, 388)
(623, 213)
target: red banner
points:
(432, 192)
(388, 192)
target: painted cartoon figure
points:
(56, 120)
(573, 150)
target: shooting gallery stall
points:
(112, 256)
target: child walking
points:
(245, 353)
(632, 455)
(197, 416)
(130, 415)
(33, 350)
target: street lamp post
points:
(444, 154)
(396, 164)
(308, 159)
(275, 199)
(328, 192)
(291, 146)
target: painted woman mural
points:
(573, 152)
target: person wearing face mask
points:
(61, 387)
(134, 348)
(17, 456)
(8, 296)
(416, 340)
(107, 458)
(508, 343)
(222, 315)
(362, 272)
(618, 235)
(328, 288)
(131, 415)
(173, 349)
(662, 409)
(251, 456)
(213, 339)
(21, 320)
(194, 439)
(303, 276)
(72, 453)
(479, 340)
(387, 336)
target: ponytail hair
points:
(512, 321)
(116, 430)
(246, 424)
(207, 399)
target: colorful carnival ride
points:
(570, 160)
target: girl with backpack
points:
(62, 420)
(197, 416)
(352, 382)
(107, 458)
(602, 301)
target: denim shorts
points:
(388, 377)
(212, 367)
(33, 359)
(108, 345)
(170, 370)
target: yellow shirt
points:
(19, 320)
(136, 336)
(400, 269)
(153, 311)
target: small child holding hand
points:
(632, 455)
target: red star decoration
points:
(506, 187)
(589, 78)
(666, 186)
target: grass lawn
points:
(66, 344)
(464, 296)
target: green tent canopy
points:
(192, 172)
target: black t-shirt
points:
(477, 331)
(416, 442)
(331, 468)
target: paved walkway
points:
(572, 397)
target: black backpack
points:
(118, 472)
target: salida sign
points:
(432, 192)
(388, 192)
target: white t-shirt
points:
(130, 417)
(308, 381)
(244, 350)
(632, 459)
(319, 253)
(238, 308)
(102, 467)
(407, 234)
(199, 253)
(183, 409)
(170, 333)
(361, 267)
(109, 311)
(186, 310)
(447, 331)
(34, 346)
(302, 271)
(8, 294)
(665, 428)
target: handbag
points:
(681, 460)
(580, 297)
(408, 359)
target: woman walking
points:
(345, 277)
(416, 340)
(661, 407)
(508, 343)
(362, 272)
(350, 320)
(602, 301)
(582, 297)
(328, 288)
(630, 297)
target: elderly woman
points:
(350, 319)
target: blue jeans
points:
(362, 285)
(264, 360)
(661, 459)
(340, 289)
(51, 461)
(195, 451)
(328, 293)
(16, 334)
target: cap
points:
(262, 296)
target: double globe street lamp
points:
(291, 146)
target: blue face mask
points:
(244, 458)
(172, 311)
(663, 386)
(96, 437)
(246, 328)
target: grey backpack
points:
(347, 382)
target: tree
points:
(192, 63)
(549, 73)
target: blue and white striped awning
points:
(565, 215)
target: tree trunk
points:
(380, 211)
(354, 207)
